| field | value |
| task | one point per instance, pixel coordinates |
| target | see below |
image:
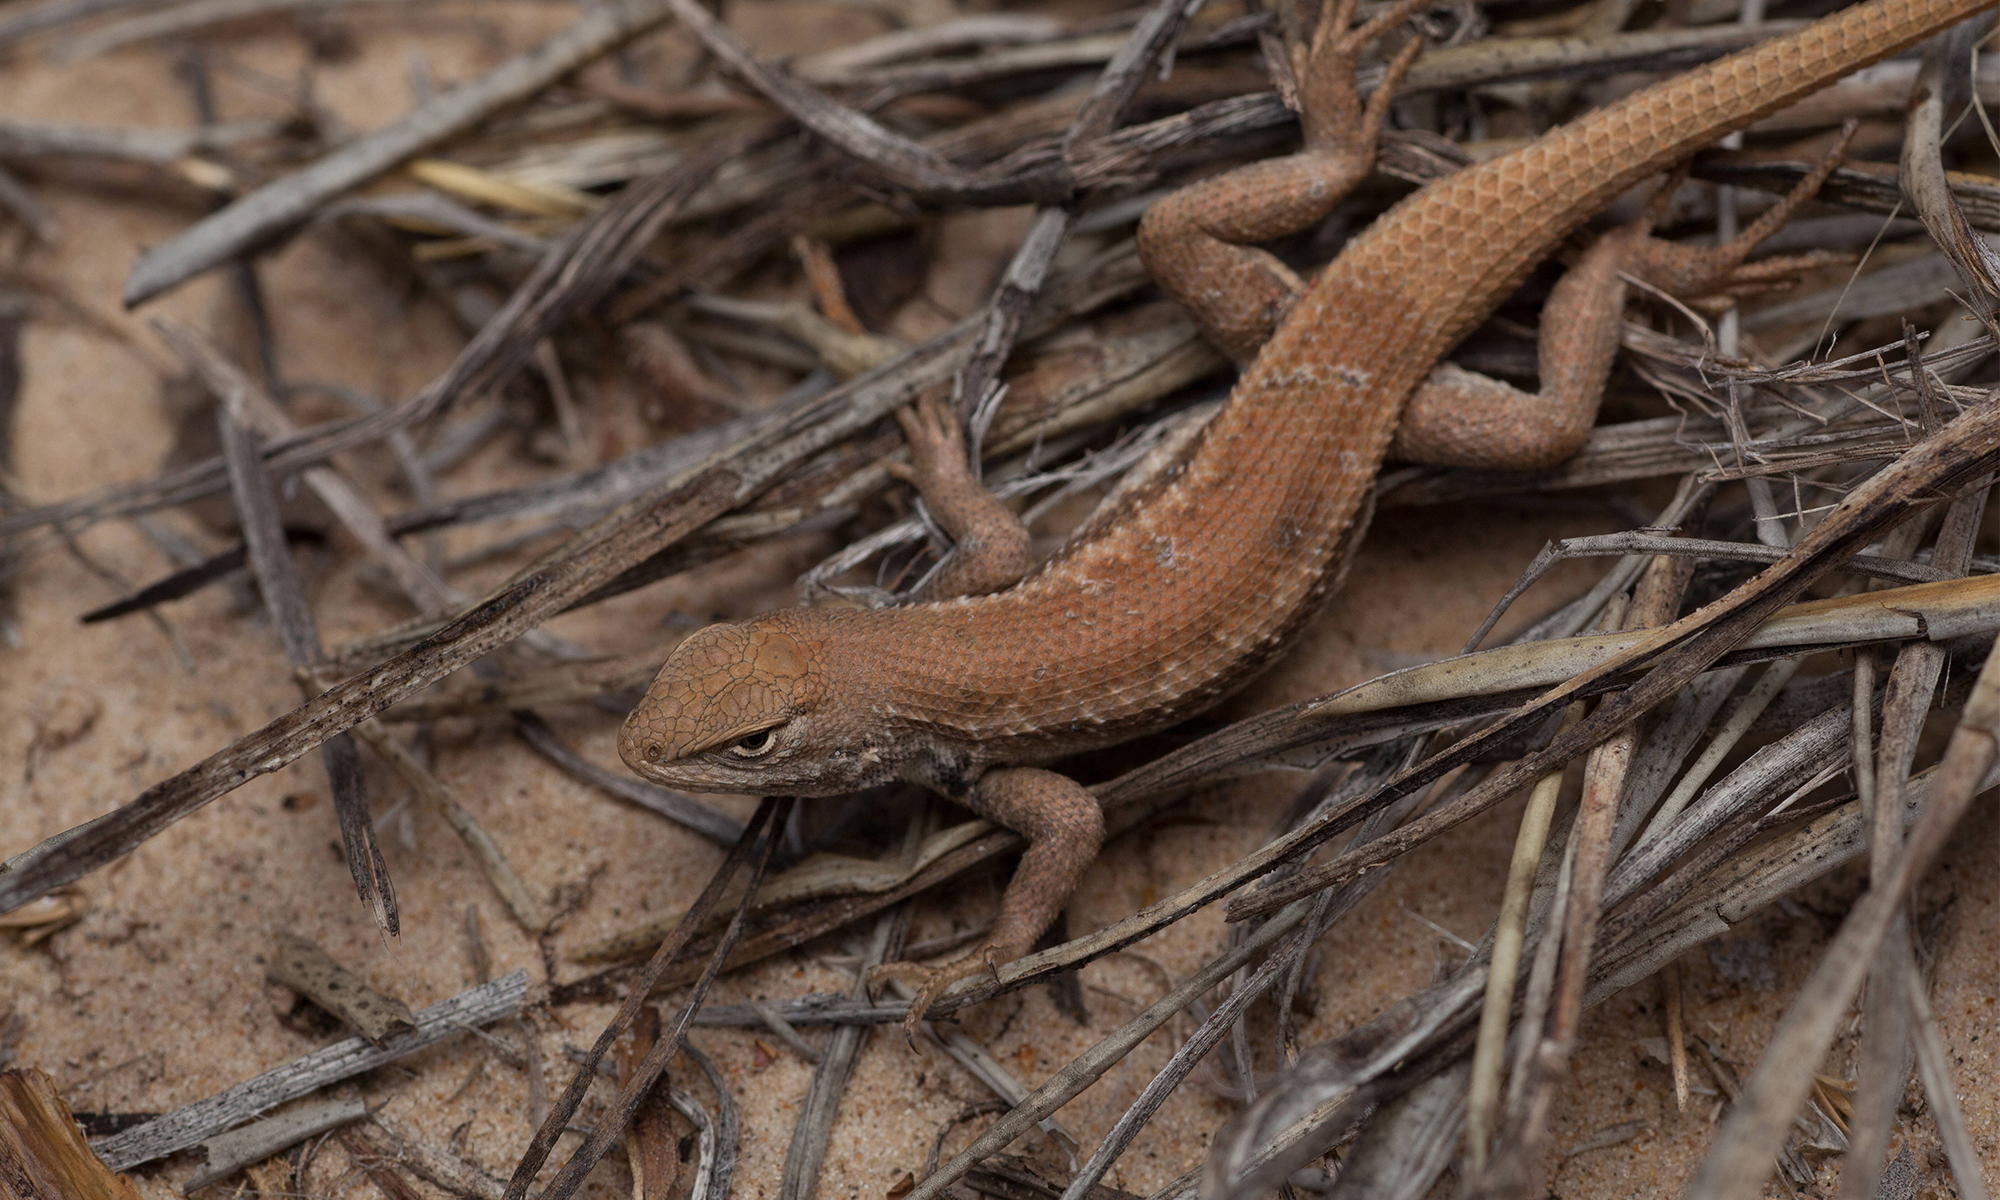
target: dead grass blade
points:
(269, 212)
(1947, 458)
(285, 599)
(1738, 1161)
(227, 1109)
(813, 1130)
(1941, 83)
(1593, 838)
(1482, 1097)
(759, 838)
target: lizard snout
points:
(649, 729)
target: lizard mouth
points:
(692, 775)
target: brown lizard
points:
(1193, 580)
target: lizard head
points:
(732, 710)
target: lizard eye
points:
(754, 745)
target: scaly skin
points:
(1213, 566)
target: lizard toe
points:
(930, 983)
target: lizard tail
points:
(1562, 179)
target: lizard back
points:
(1191, 593)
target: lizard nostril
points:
(653, 752)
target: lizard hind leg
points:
(1064, 827)
(1457, 418)
(1196, 242)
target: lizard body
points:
(1202, 574)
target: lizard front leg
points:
(990, 550)
(1064, 827)
(1458, 418)
(1194, 242)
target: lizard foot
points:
(1199, 242)
(1331, 114)
(930, 983)
(1716, 274)
(992, 548)
(937, 444)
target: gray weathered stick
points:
(154, 147)
(302, 966)
(267, 213)
(721, 1167)
(183, 19)
(813, 1130)
(56, 13)
(24, 206)
(230, 1152)
(227, 1109)
(285, 598)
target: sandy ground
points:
(157, 997)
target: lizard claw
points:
(930, 983)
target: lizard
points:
(1184, 586)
